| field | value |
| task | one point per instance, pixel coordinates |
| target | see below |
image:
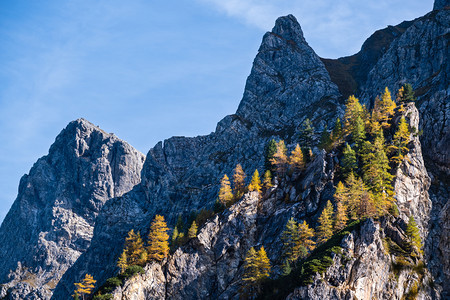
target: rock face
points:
(88, 169)
(51, 222)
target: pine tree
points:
(255, 184)
(352, 195)
(279, 159)
(305, 242)
(290, 239)
(267, 182)
(337, 131)
(399, 146)
(340, 216)
(225, 194)
(158, 239)
(349, 162)
(412, 231)
(406, 94)
(325, 228)
(239, 182)
(296, 159)
(325, 139)
(134, 247)
(359, 132)
(192, 233)
(306, 134)
(84, 287)
(122, 263)
(271, 149)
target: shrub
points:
(132, 270)
(103, 297)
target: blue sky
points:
(148, 70)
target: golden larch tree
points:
(296, 160)
(267, 181)
(84, 287)
(225, 194)
(239, 182)
(290, 238)
(305, 235)
(158, 239)
(399, 147)
(122, 262)
(255, 184)
(280, 159)
(325, 228)
(134, 247)
(192, 233)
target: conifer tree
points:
(384, 108)
(352, 112)
(263, 264)
(296, 159)
(366, 208)
(174, 236)
(399, 146)
(267, 181)
(85, 287)
(341, 194)
(255, 184)
(158, 239)
(305, 242)
(122, 262)
(412, 231)
(337, 131)
(225, 194)
(271, 149)
(251, 274)
(192, 233)
(286, 268)
(349, 162)
(239, 182)
(290, 239)
(359, 132)
(325, 228)
(134, 247)
(325, 139)
(406, 94)
(306, 134)
(279, 159)
(340, 216)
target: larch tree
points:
(267, 181)
(385, 108)
(349, 161)
(255, 184)
(325, 229)
(225, 193)
(134, 247)
(412, 231)
(305, 235)
(353, 195)
(406, 94)
(263, 263)
(280, 159)
(340, 216)
(359, 132)
(251, 274)
(296, 160)
(158, 239)
(399, 147)
(271, 149)
(239, 182)
(122, 262)
(352, 112)
(290, 239)
(85, 287)
(337, 132)
(192, 233)
(174, 236)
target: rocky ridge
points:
(52, 220)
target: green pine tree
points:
(337, 131)
(412, 231)
(349, 162)
(271, 149)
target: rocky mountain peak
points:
(289, 29)
(441, 4)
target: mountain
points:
(77, 204)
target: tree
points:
(271, 148)
(84, 287)
(305, 235)
(296, 159)
(290, 240)
(158, 239)
(412, 231)
(352, 112)
(325, 139)
(406, 94)
(359, 132)
(306, 134)
(279, 159)
(225, 194)
(325, 228)
(134, 247)
(340, 216)
(352, 195)
(175, 236)
(384, 108)
(192, 233)
(349, 162)
(267, 181)
(255, 184)
(239, 182)
(337, 131)
(122, 263)
(399, 146)
(263, 263)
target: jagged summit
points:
(441, 4)
(288, 28)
